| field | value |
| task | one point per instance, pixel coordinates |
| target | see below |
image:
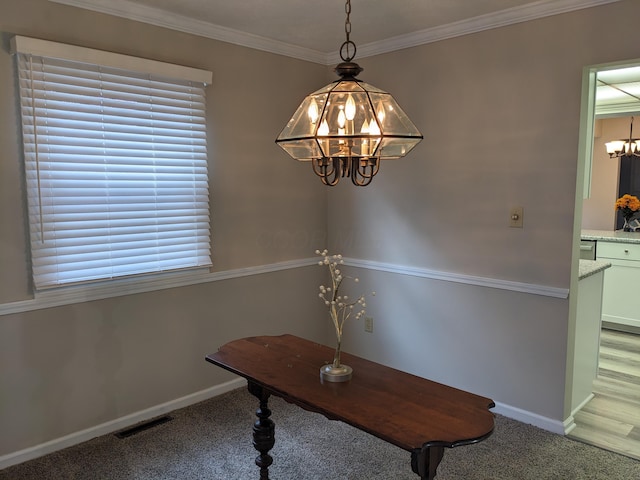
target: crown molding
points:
(503, 18)
(154, 16)
(617, 110)
(160, 18)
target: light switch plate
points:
(516, 217)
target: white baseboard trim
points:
(549, 424)
(554, 426)
(570, 423)
(582, 404)
(117, 424)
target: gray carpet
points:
(212, 440)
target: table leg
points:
(263, 430)
(425, 461)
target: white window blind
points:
(116, 170)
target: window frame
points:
(54, 50)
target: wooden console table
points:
(417, 415)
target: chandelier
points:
(347, 127)
(624, 148)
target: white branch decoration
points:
(340, 306)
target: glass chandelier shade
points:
(347, 127)
(624, 148)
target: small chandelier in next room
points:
(347, 127)
(624, 148)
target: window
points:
(115, 163)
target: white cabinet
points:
(621, 291)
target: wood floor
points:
(611, 420)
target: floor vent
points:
(143, 426)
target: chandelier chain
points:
(347, 23)
(345, 50)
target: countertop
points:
(591, 267)
(611, 236)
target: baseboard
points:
(620, 327)
(117, 424)
(570, 423)
(549, 424)
(582, 404)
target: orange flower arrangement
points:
(628, 205)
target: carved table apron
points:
(415, 414)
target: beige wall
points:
(500, 112)
(69, 368)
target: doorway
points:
(611, 420)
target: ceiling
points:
(618, 92)
(299, 29)
(314, 29)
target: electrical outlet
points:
(516, 217)
(368, 324)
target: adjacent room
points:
(469, 237)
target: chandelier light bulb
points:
(313, 112)
(342, 118)
(323, 129)
(374, 129)
(350, 108)
(380, 113)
